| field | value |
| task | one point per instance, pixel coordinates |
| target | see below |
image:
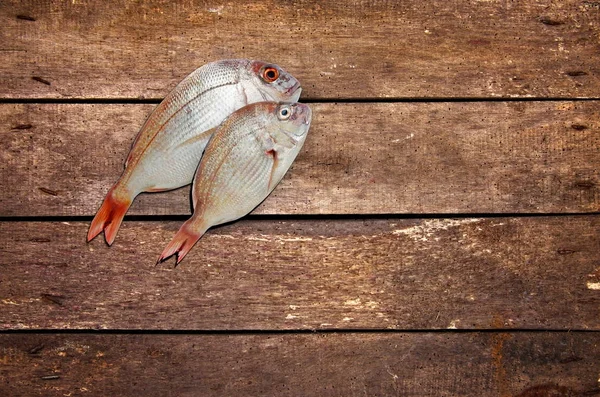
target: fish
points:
(246, 158)
(168, 147)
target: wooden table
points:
(439, 234)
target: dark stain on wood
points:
(550, 22)
(565, 251)
(36, 349)
(41, 80)
(22, 127)
(54, 299)
(571, 359)
(549, 390)
(40, 240)
(48, 191)
(576, 73)
(585, 184)
(26, 17)
(579, 127)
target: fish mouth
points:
(293, 89)
(303, 115)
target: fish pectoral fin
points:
(273, 154)
(204, 136)
(271, 149)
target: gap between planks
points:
(142, 101)
(299, 217)
(300, 331)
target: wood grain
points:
(359, 49)
(487, 157)
(494, 273)
(399, 364)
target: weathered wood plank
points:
(527, 157)
(58, 49)
(514, 273)
(404, 364)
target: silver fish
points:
(243, 162)
(168, 148)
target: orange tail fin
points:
(109, 217)
(182, 243)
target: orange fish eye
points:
(270, 74)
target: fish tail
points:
(109, 216)
(182, 243)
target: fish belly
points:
(232, 187)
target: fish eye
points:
(270, 74)
(284, 113)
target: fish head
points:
(271, 82)
(293, 119)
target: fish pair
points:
(232, 127)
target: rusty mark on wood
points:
(48, 191)
(579, 127)
(55, 299)
(575, 73)
(41, 80)
(548, 390)
(550, 22)
(26, 17)
(497, 343)
(36, 349)
(22, 127)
